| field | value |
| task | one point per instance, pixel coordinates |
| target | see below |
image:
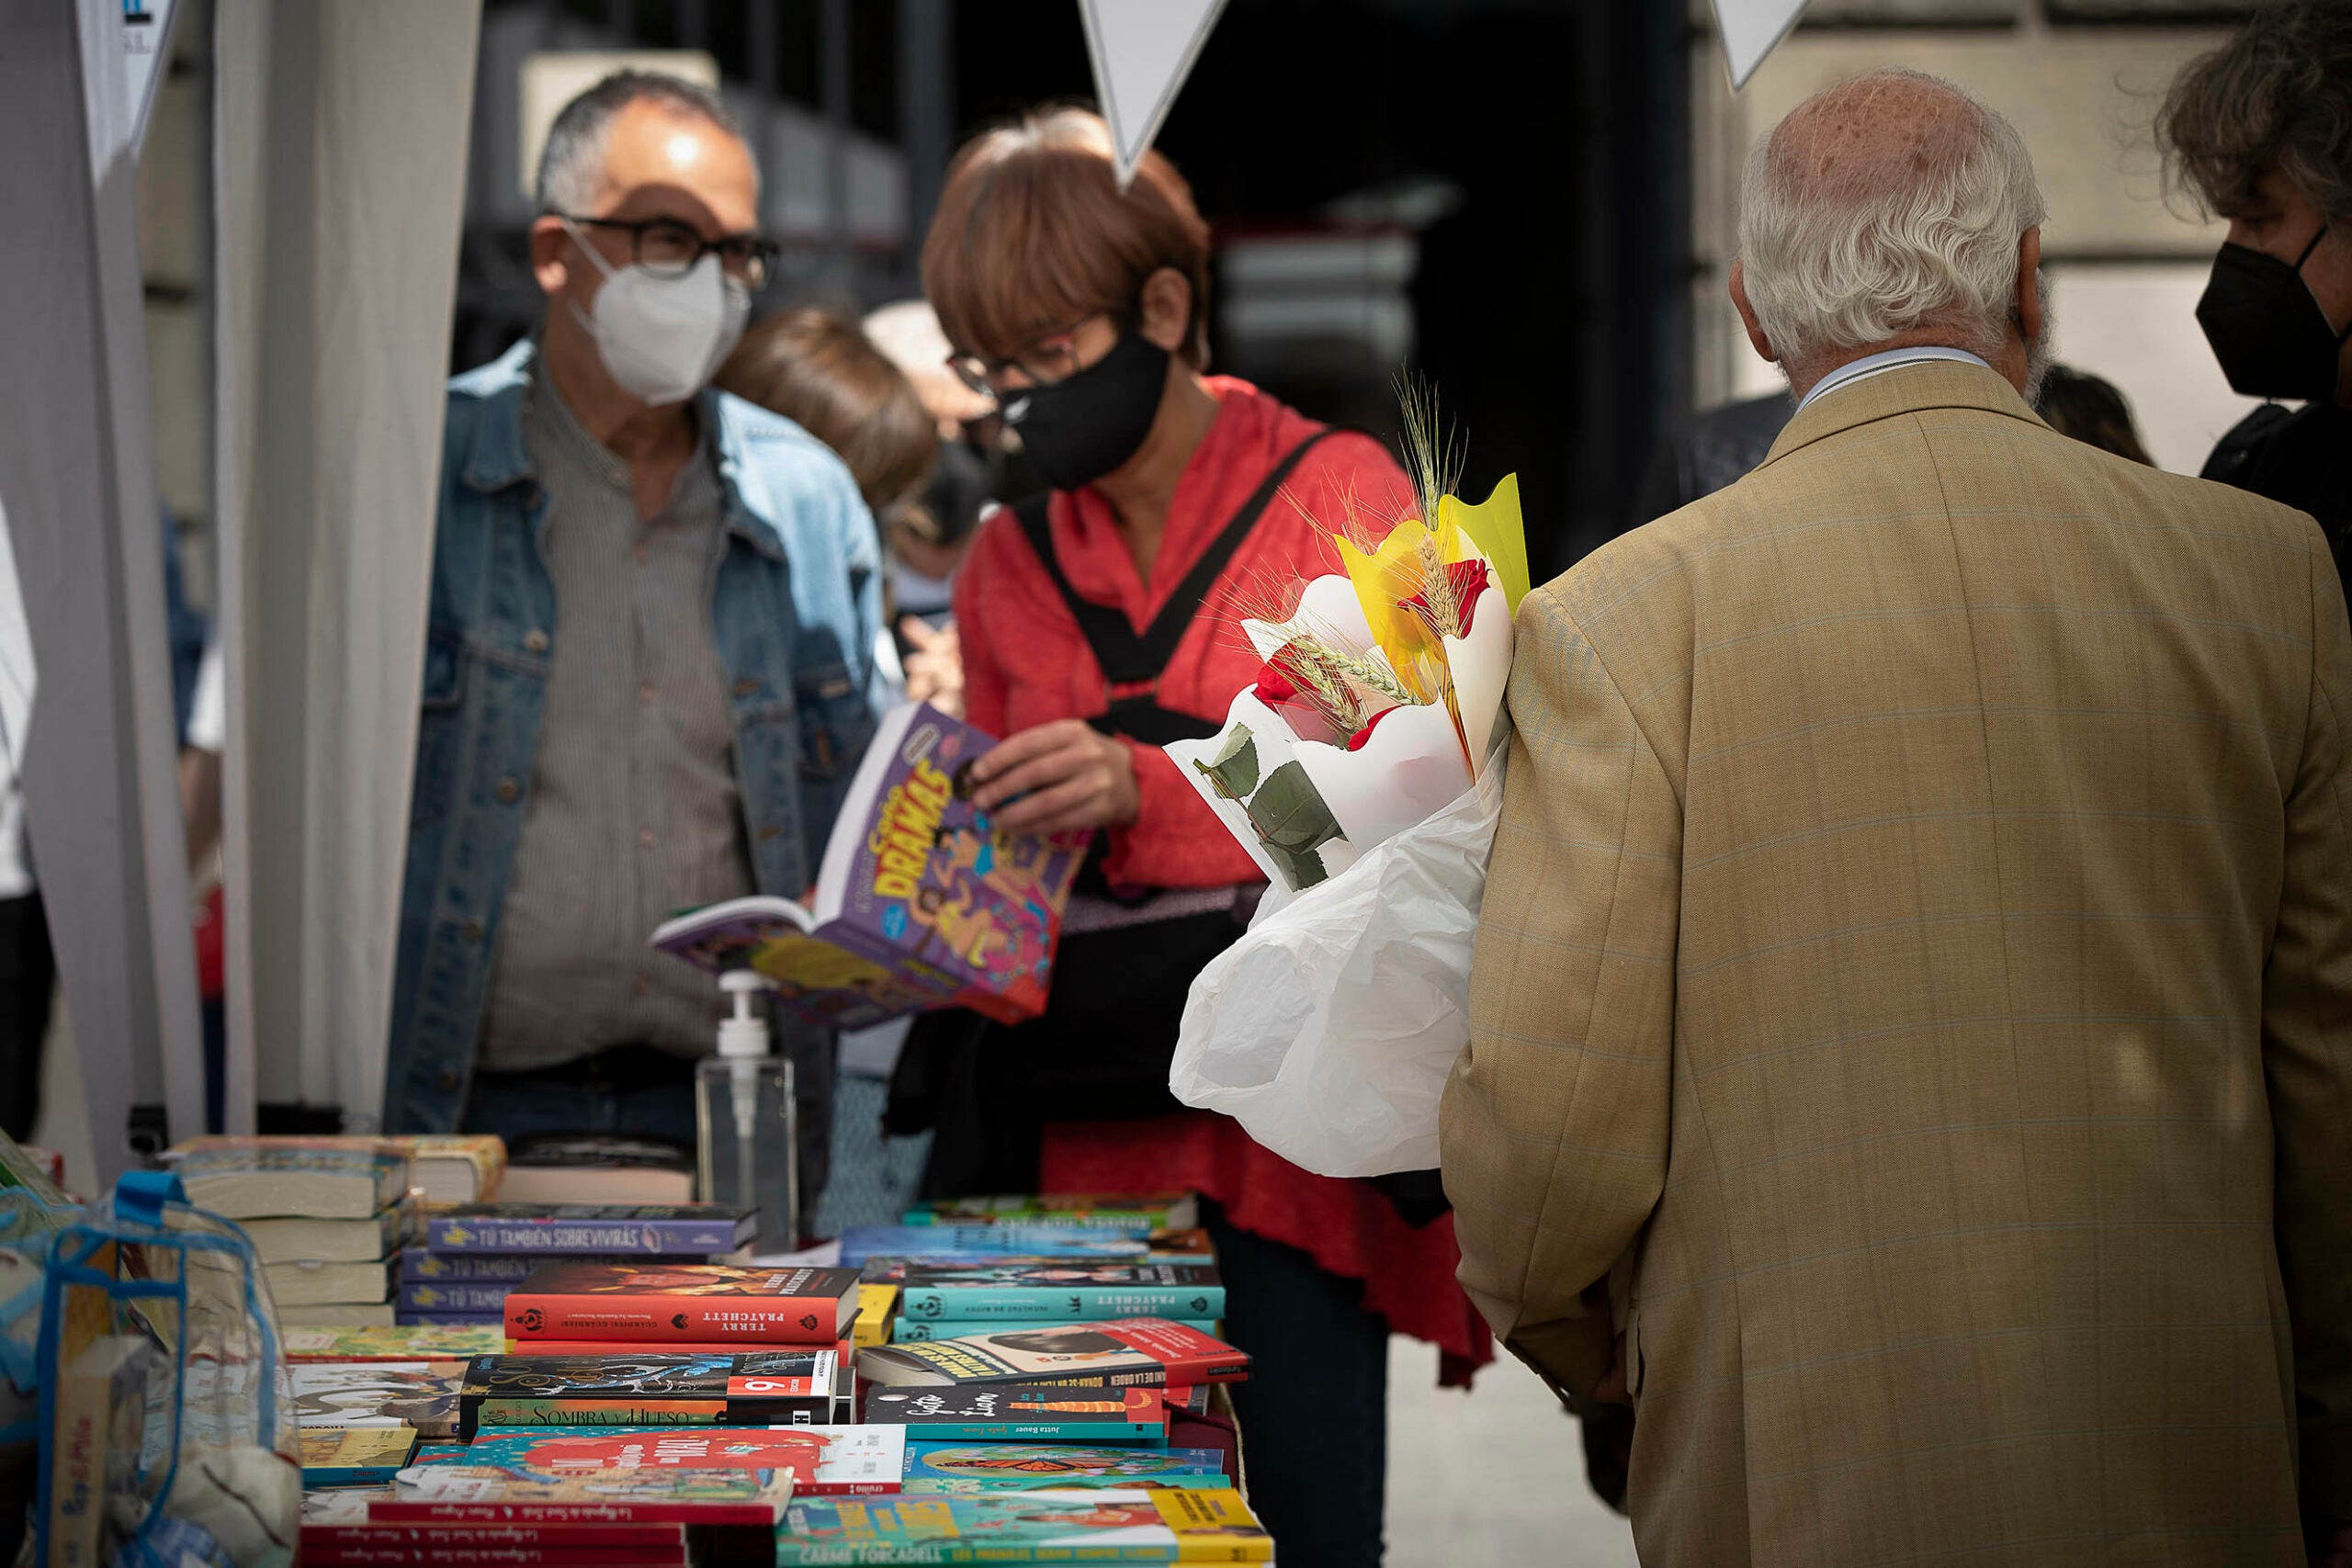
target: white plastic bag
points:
(1328, 1030)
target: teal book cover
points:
(911, 1331)
(1061, 1291)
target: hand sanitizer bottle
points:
(745, 1125)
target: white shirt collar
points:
(1871, 364)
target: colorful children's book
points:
(913, 1331)
(355, 1456)
(590, 1230)
(415, 1344)
(1095, 1526)
(380, 1394)
(861, 1243)
(919, 902)
(752, 1388)
(420, 1266)
(1063, 1291)
(1140, 1351)
(250, 1180)
(1138, 1217)
(684, 1301)
(451, 1167)
(1028, 1467)
(666, 1475)
(997, 1414)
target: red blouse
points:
(1026, 664)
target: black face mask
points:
(1093, 421)
(2267, 330)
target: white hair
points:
(1844, 245)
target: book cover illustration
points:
(1144, 1351)
(743, 1389)
(1062, 1291)
(919, 903)
(718, 1475)
(914, 1331)
(412, 1343)
(986, 1414)
(1102, 1525)
(463, 1268)
(380, 1394)
(689, 1302)
(589, 1230)
(1028, 1467)
(355, 1456)
(1129, 1214)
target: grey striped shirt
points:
(633, 812)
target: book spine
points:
(911, 1331)
(531, 1537)
(583, 1556)
(418, 1264)
(1036, 1431)
(487, 1299)
(478, 1414)
(658, 1319)
(674, 1238)
(651, 1511)
(1078, 1303)
(446, 1320)
(78, 1456)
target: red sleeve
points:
(1175, 840)
(984, 682)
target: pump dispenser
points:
(745, 1123)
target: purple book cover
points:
(589, 1230)
(473, 1297)
(919, 902)
(419, 1266)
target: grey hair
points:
(572, 164)
(1840, 253)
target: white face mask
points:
(661, 337)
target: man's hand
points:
(2331, 1551)
(1611, 1389)
(1068, 777)
(935, 667)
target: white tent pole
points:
(77, 474)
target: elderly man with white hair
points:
(1911, 1049)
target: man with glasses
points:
(650, 670)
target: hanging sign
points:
(1750, 29)
(1142, 50)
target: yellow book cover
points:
(1214, 1527)
(874, 1304)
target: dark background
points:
(1550, 302)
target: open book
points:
(918, 904)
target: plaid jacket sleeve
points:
(2307, 1057)
(1554, 1127)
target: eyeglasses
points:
(1048, 359)
(668, 248)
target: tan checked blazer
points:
(1918, 958)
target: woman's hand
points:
(934, 668)
(1068, 777)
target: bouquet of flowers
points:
(1376, 699)
(1363, 772)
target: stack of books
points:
(471, 1256)
(326, 1221)
(649, 1412)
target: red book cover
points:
(1149, 1352)
(447, 1550)
(683, 1303)
(670, 1538)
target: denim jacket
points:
(796, 611)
